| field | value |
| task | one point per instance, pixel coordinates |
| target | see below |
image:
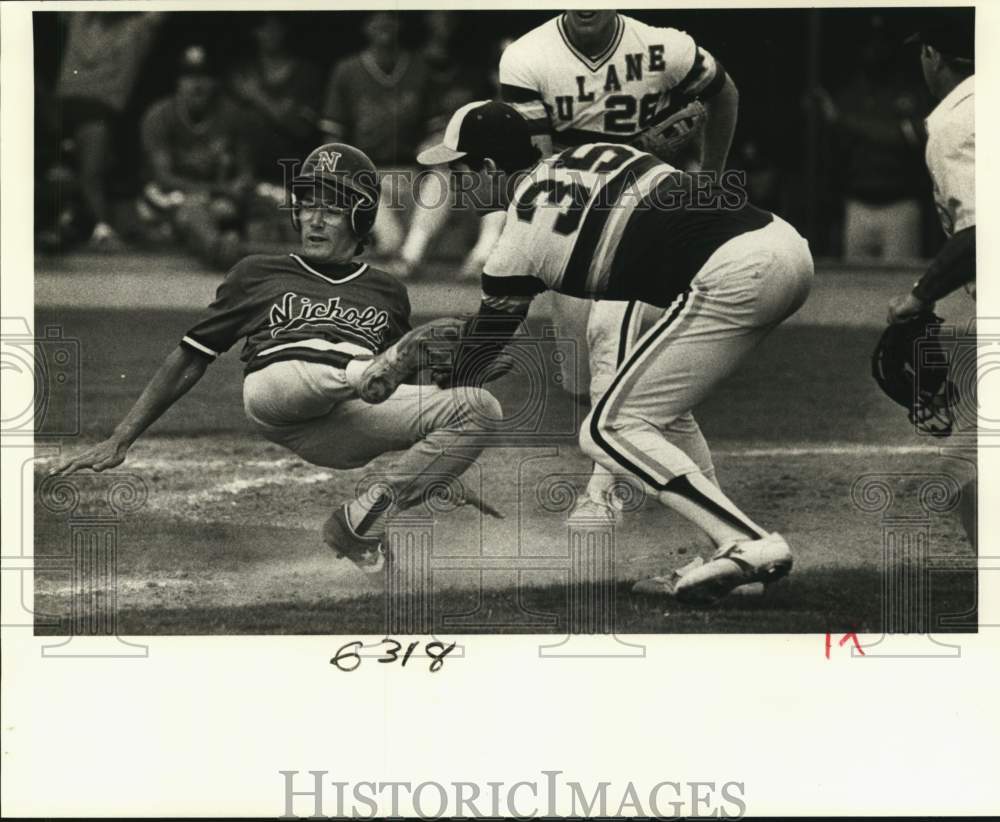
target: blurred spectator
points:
(878, 123)
(494, 74)
(451, 86)
(380, 101)
(280, 94)
(453, 81)
(198, 161)
(56, 191)
(103, 54)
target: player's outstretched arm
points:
(179, 372)
(952, 267)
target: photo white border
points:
(203, 725)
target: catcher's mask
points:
(343, 175)
(911, 366)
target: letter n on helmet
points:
(341, 174)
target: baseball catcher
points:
(947, 58)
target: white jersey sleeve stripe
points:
(197, 346)
(703, 74)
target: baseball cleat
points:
(763, 560)
(365, 552)
(589, 511)
(401, 360)
(665, 585)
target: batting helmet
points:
(910, 365)
(345, 173)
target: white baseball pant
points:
(310, 409)
(742, 292)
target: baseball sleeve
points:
(224, 322)
(690, 69)
(951, 155)
(403, 324)
(508, 281)
(522, 89)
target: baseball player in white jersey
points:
(947, 56)
(589, 76)
(608, 221)
(313, 322)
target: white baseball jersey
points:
(610, 97)
(608, 221)
(951, 157)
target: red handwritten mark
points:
(852, 635)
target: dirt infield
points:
(231, 527)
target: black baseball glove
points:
(910, 365)
(472, 358)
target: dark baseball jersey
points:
(289, 308)
(607, 221)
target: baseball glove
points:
(672, 132)
(473, 362)
(911, 367)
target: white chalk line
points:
(280, 463)
(826, 450)
(292, 471)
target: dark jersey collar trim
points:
(593, 63)
(336, 278)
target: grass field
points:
(227, 540)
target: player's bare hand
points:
(906, 308)
(107, 454)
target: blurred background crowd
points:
(157, 130)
